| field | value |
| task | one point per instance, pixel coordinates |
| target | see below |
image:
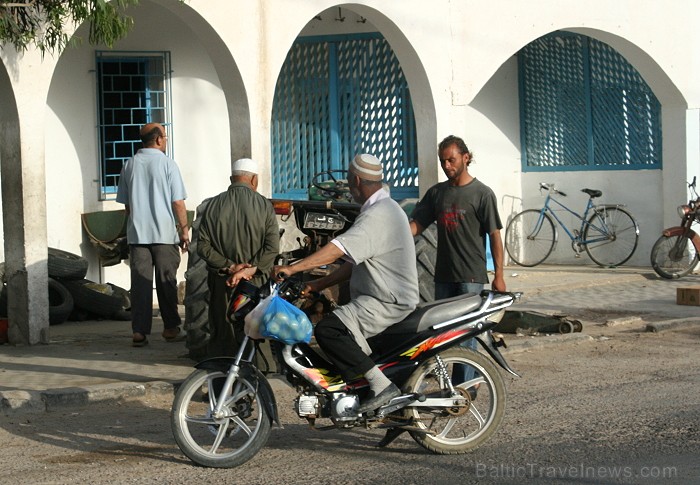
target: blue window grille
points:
(133, 88)
(338, 96)
(584, 107)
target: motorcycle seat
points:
(430, 313)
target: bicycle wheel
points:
(673, 256)
(530, 237)
(610, 236)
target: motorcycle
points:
(677, 252)
(223, 412)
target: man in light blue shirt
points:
(151, 187)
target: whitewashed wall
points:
(458, 58)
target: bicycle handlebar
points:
(550, 188)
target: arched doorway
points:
(339, 94)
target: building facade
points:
(221, 75)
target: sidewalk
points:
(93, 360)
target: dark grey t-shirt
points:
(464, 216)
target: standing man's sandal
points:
(174, 334)
(139, 340)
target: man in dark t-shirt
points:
(465, 211)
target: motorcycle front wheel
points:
(459, 429)
(224, 442)
(673, 256)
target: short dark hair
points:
(459, 143)
(149, 138)
(456, 141)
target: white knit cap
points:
(245, 165)
(367, 167)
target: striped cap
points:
(367, 167)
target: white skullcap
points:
(367, 167)
(245, 165)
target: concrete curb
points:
(14, 403)
(671, 324)
(615, 322)
(27, 402)
(545, 341)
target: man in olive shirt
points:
(238, 231)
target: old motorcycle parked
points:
(677, 252)
(223, 412)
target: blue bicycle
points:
(609, 235)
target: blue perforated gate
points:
(336, 97)
(584, 107)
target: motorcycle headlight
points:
(683, 210)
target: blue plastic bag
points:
(283, 321)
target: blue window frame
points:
(133, 88)
(338, 96)
(584, 107)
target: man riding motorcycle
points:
(379, 260)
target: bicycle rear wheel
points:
(530, 237)
(674, 256)
(611, 236)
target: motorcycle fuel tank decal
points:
(434, 342)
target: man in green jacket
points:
(238, 234)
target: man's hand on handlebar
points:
(280, 273)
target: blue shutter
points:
(584, 107)
(336, 97)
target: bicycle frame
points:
(608, 233)
(576, 236)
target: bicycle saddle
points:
(592, 192)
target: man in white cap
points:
(238, 234)
(380, 262)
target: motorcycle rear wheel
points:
(218, 443)
(674, 256)
(458, 430)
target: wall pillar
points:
(692, 135)
(23, 94)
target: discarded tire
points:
(196, 294)
(65, 265)
(3, 300)
(60, 302)
(125, 312)
(123, 294)
(426, 252)
(96, 298)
